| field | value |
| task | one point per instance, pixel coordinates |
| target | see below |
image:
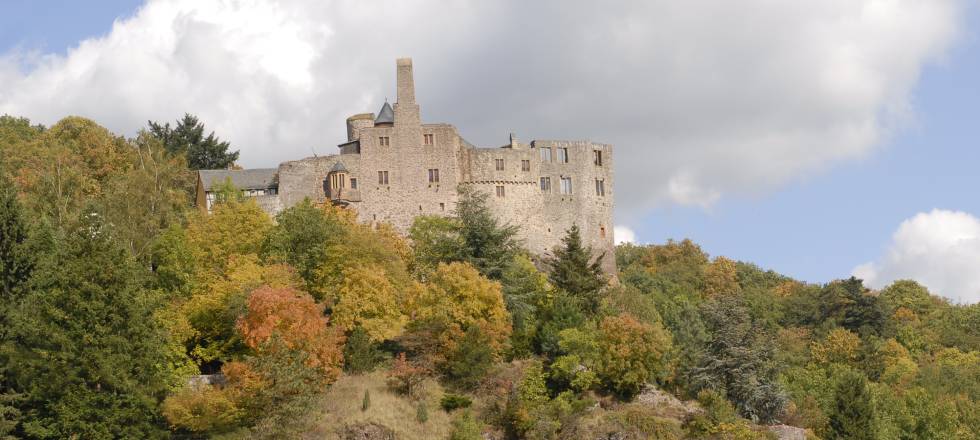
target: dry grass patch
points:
(342, 407)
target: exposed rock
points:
(786, 432)
(666, 404)
(367, 431)
(216, 380)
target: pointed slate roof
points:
(386, 115)
(338, 167)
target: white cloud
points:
(623, 234)
(700, 98)
(940, 249)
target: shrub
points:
(466, 427)
(450, 402)
(361, 355)
(404, 377)
(366, 402)
(422, 413)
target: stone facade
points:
(393, 168)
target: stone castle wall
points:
(543, 217)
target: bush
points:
(422, 413)
(450, 402)
(360, 354)
(366, 403)
(465, 427)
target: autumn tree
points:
(368, 300)
(232, 228)
(630, 354)
(301, 237)
(187, 138)
(574, 269)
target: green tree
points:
(739, 359)
(471, 360)
(16, 266)
(576, 271)
(852, 416)
(436, 239)
(89, 355)
(187, 138)
(563, 312)
(361, 355)
(489, 246)
(525, 291)
(300, 238)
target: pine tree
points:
(188, 138)
(489, 246)
(852, 416)
(16, 263)
(574, 270)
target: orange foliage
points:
(299, 321)
(404, 376)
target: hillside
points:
(127, 313)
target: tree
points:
(574, 270)
(232, 228)
(187, 138)
(471, 360)
(630, 354)
(361, 355)
(298, 324)
(366, 299)
(300, 237)
(489, 246)
(738, 359)
(16, 261)
(458, 297)
(436, 239)
(90, 356)
(525, 293)
(852, 416)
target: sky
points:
(819, 139)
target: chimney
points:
(406, 82)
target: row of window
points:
(427, 139)
(565, 186)
(383, 177)
(563, 155)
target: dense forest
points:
(127, 313)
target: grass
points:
(342, 407)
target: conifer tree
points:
(489, 246)
(574, 270)
(852, 416)
(188, 138)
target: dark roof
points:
(258, 178)
(339, 166)
(386, 115)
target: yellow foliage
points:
(205, 409)
(459, 296)
(721, 278)
(232, 228)
(366, 298)
(840, 346)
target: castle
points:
(393, 167)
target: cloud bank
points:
(940, 249)
(701, 98)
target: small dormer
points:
(339, 187)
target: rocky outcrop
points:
(367, 431)
(786, 432)
(666, 404)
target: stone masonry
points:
(393, 168)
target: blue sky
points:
(817, 227)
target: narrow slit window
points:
(600, 187)
(353, 183)
(427, 139)
(563, 155)
(597, 157)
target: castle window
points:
(384, 141)
(546, 184)
(499, 164)
(442, 206)
(597, 157)
(382, 177)
(525, 165)
(545, 154)
(353, 183)
(566, 185)
(427, 139)
(600, 187)
(563, 155)
(602, 231)
(433, 175)
(500, 190)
